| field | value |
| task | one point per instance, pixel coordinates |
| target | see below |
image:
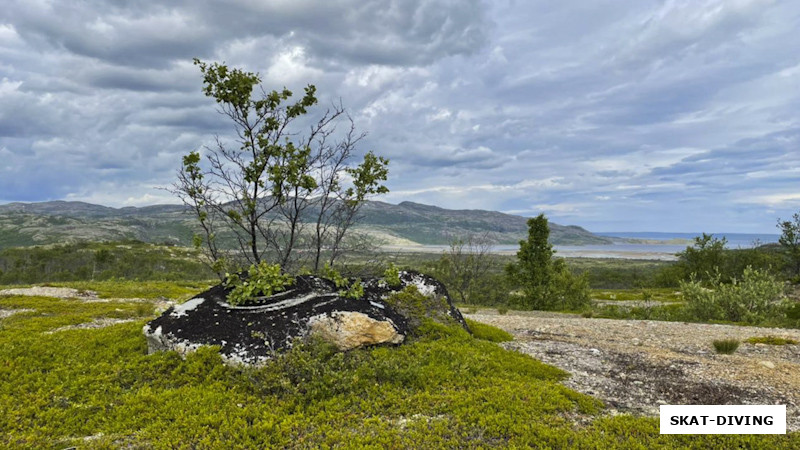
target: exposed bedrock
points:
(312, 306)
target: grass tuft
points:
(726, 346)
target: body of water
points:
(735, 240)
(672, 244)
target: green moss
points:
(488, 332)
(771, 340)
(418, 307)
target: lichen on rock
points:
(348, 330)
(313, 306)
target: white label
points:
(723, 419)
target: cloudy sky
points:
(613, 115)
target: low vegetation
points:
(98, 388)
(756, 298)
(726, 346)
(100, 261)
(771, 340)
(488, 332)
(262, 280)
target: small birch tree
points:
(277, 195)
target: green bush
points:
(757, 297)
(334, 275)
(570, 292)
(704, 259)
(418, 307)
(708, 260)
(348, 288)
(502, 311)
(726, 346)
(264, 280)
(392, 276)
(792, 310)
(354, 291)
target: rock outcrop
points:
(312, 306)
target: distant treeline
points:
(130, 260)
(133, 260)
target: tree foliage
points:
(790, 241)
(545, 283)
(708, 260)
(704, 260)
(277, 194)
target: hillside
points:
(433, 225)
(25, 224)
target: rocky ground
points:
(159, 305)
(635, 366)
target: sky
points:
(642, 115)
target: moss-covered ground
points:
(98, 388)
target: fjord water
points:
(659, 245)
(735, 240)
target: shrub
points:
(418, 307)
(570, 291)
(263, 280)
(771, 340)
(502, 311)
(793, 310)
(726, 346)
(354, 291)
(348, 289)
(392, 276)
(334, 275)
(756, 297)
(464, 268)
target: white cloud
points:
(775, 199)
(639, 115)
(290, 66)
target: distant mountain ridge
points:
(408, 223)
